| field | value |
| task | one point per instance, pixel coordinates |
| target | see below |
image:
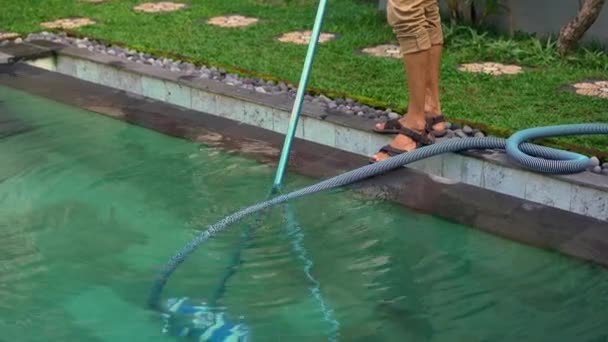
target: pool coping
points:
(585, 193)
(506, 216)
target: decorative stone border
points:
(230, 21)
(384, 50)
(158, 7)
(68, 23)
(592, 88)
(491, 68)
(303, 37)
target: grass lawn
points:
(504, 103)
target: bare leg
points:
(432, 105)
(416, 67)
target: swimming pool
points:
(91, 207)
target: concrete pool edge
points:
(502, 215)
(585, 193)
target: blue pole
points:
(295, 113)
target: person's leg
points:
(434, 29)
(407, 17)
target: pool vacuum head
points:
(199, 323)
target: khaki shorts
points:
(416, 23)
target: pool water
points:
(91, 208)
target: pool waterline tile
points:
(351, 140)
(281, 123)
(318, 131)
(504, 180)
(116, 78)
(203, 101)
(88, 71)
(589, 202)
(548, 191)
(153, 88)
(178, 94)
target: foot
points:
(433, 115)
(407, 140)
(436, 124)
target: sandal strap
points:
(392, 124)
(435, 120)
(392, 151)
(417, 137)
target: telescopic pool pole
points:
(297, 107)
(293, 228)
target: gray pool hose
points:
(534, 157)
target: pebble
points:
(597, 169)
(467, 130)
(324, 98)
(18, 40)
(332, 105)
(605, 172)
(595, 161)
(479, 135)
(460, 133)
(393, 115)
(455, 126)
(605, 165)
(260, 90)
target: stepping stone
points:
(232, 21)
(384, 50)
(491, 68)
(156, 7)
(592, 88)
(68, 23)
(8, 35)
(303, 37)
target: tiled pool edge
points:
(585, 194)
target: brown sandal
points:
(418, 138)
(390, 127)
(432, 121)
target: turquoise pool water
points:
(90, 208)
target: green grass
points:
(500, 104)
